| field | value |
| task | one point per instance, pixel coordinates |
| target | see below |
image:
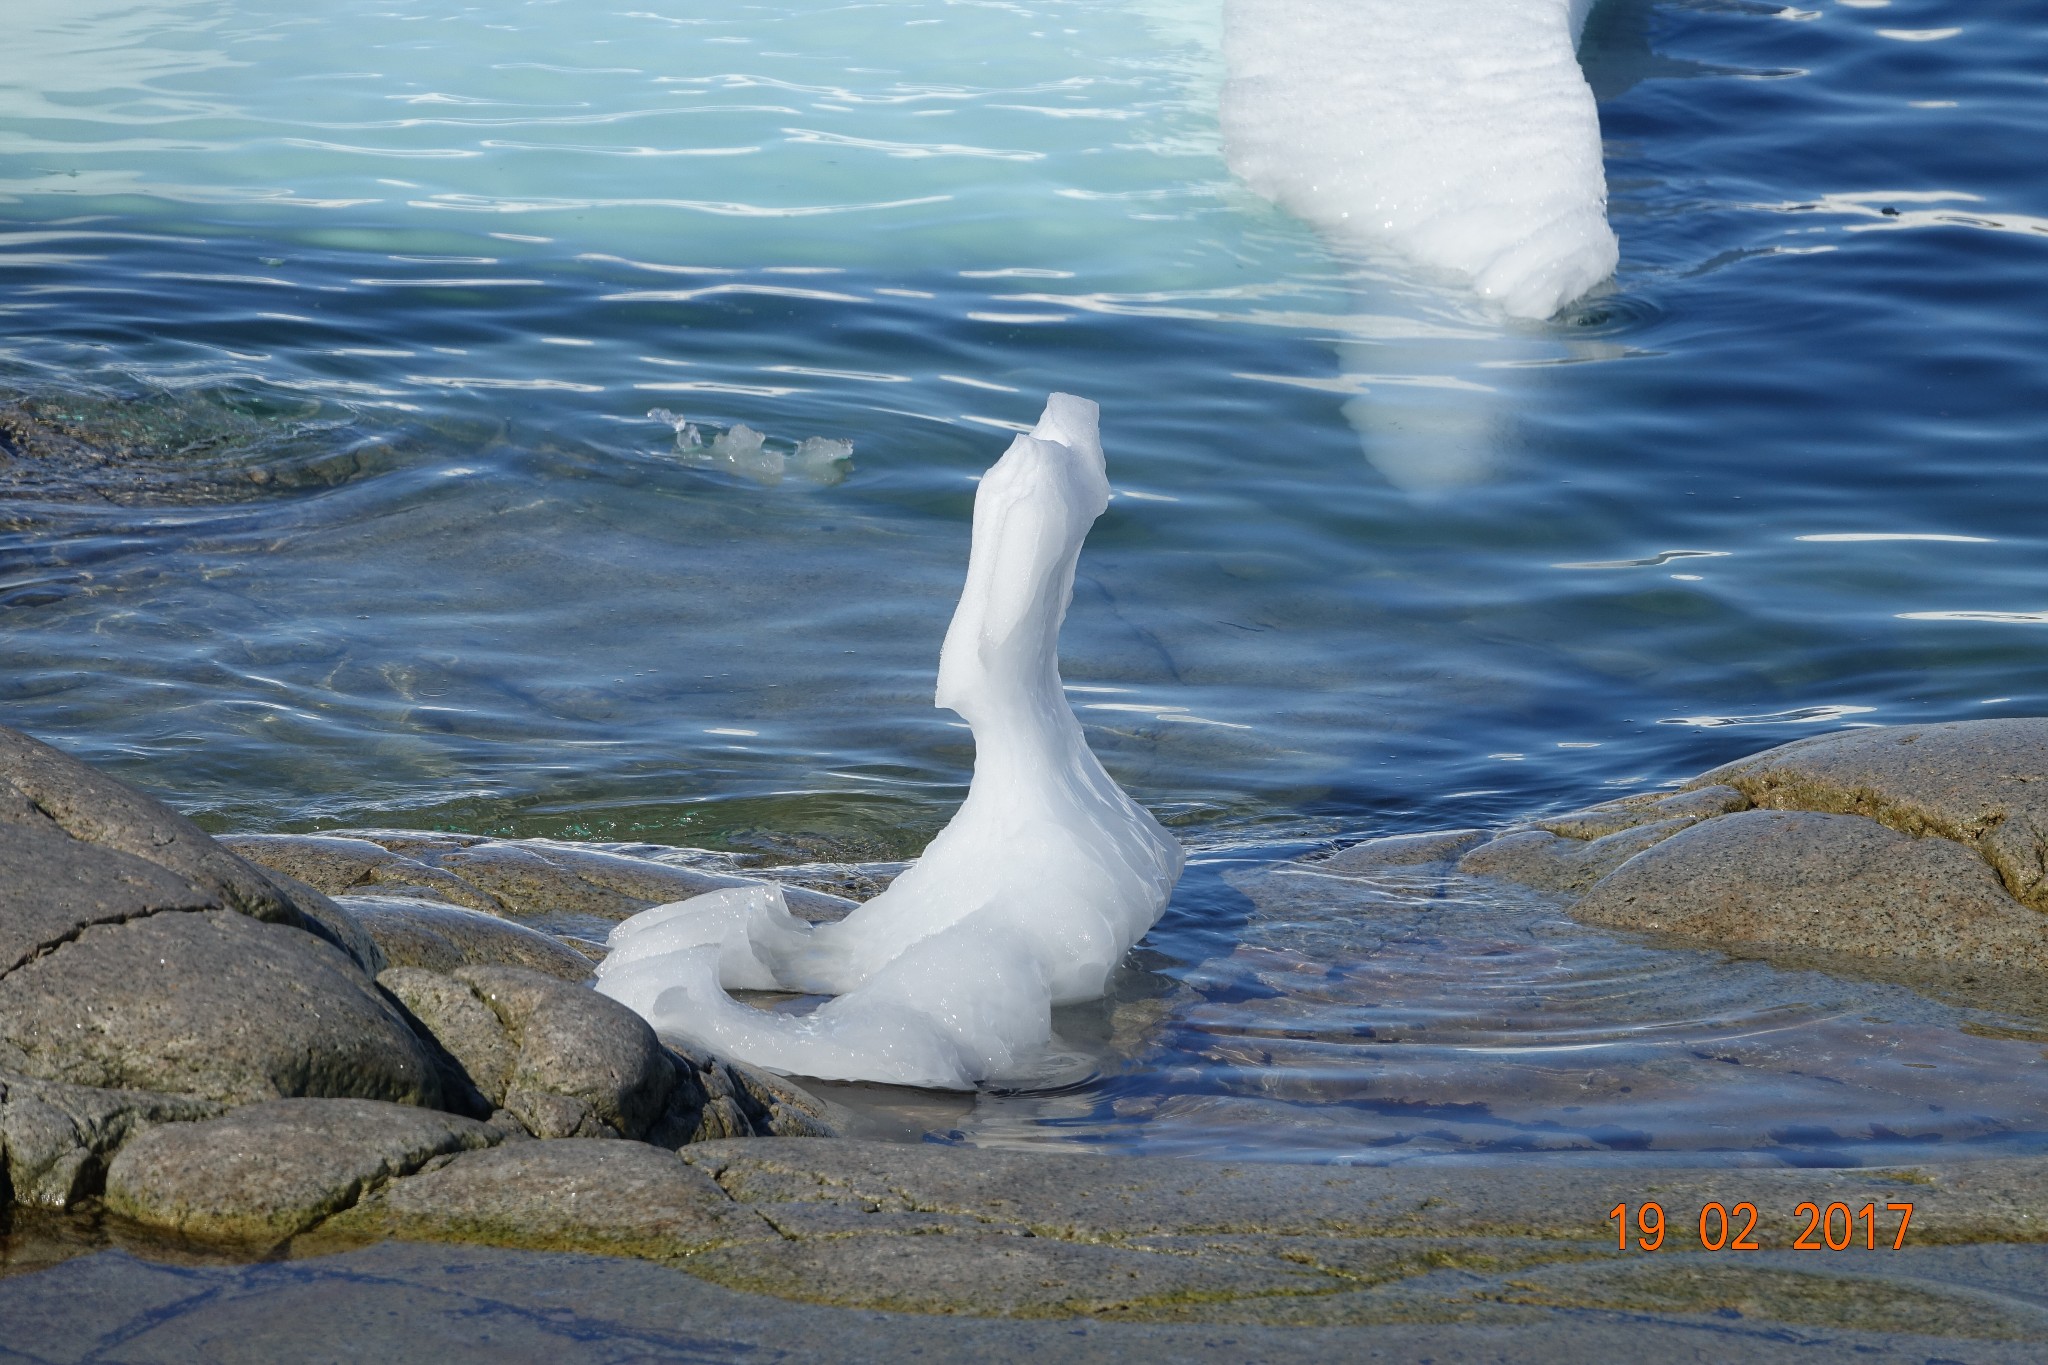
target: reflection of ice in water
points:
(1409, 1015)
(744, 451)
(1457, 140)
(1044, 878)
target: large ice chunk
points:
(1460, 134)
(1044, 878)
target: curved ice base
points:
(1044, 878)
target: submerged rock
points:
(1552, 862)
(1402, 851)
(175, 448)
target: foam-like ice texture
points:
(1459, 133)
(1044, 878)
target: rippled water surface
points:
(397, 320)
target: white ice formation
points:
(744, 451)
(1460, 134)
(1044, 878)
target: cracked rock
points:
(210, 1003)
(586, 1065)
(621, 1198)
(1983, 783)
(271, 1170)
(55, 1139)
(1834, 883)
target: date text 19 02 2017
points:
(1834, 1227)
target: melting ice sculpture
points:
(1460, 134)
(1044, 878)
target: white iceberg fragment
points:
(1460, 134)
(1044, 878)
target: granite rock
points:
(79, 848)
(1402, 851)
(525, 879)
(1647, 808)
(136, 953)
(1835, 883)
(715, 1099)
(1921, 851)
(209, 1003)
(621, 1198)
(441, 938)
(44, 792)
(479, 1055)
(587, 1065)
(1551, 862)
(1982, 783)
(55, 1139)
(270, 1170)
(339, 865)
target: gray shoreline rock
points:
(270, 1170)
(943, 1230)
(209, 1003)
(525, 879)
(443, 938)
(309, 1105)
(1828, 882)
(168, 1010)
(1921, 845)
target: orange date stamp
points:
(1733, 1227)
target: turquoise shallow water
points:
(405, 283)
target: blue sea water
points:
(405, 283)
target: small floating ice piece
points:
(1044, 878)
(744, 451)
(1460, 134)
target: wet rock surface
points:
(442, 938)
(1084, 1241)
(248, 1092)
(620, 1198)
(563, 887)
(483, 1306)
